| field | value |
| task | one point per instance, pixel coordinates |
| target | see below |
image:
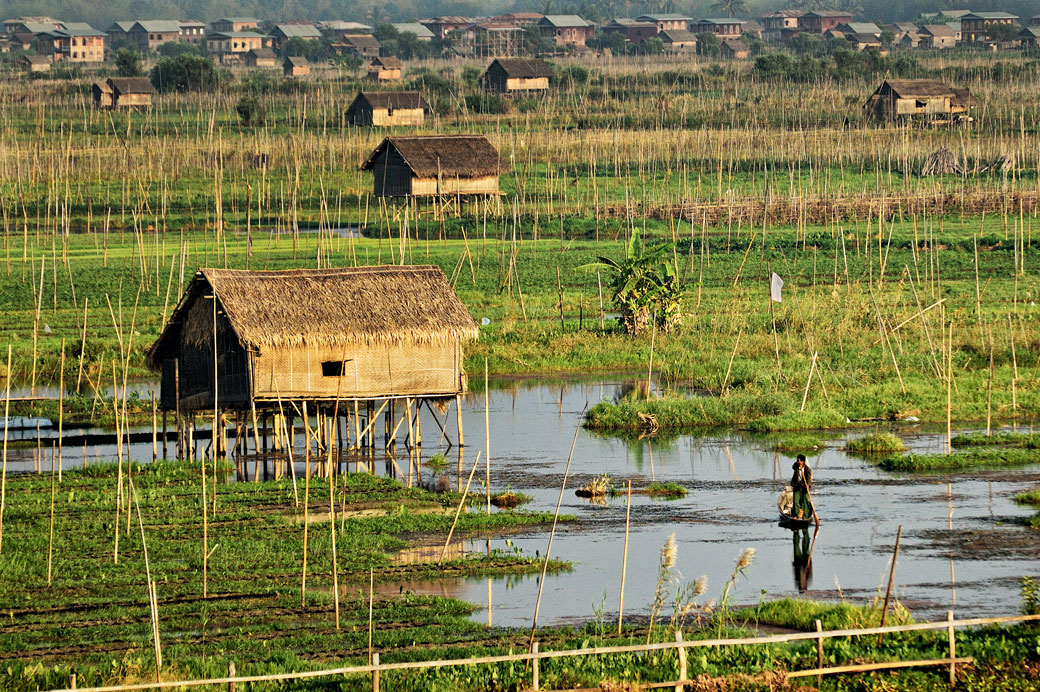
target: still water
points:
(964, 546)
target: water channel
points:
(964, 544)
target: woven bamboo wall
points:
(375, 370)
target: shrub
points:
(184, 73)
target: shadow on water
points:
(964, 547)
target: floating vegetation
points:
(874, 443)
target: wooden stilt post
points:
(458, 418)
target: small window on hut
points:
(333, 368)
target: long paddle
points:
(812, 505)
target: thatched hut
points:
(505, 75)
(384, 69)
(314, 335)
(387, 108)
(123, 92)
(923, 99)
(434, 165)
(296, 66)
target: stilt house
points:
(387, 108)
(123, 92)
(506, 75)
(434, 165)
(917, 99)
(265, 338)
(384, 69)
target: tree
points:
(251, 110)
(731, 7)
(708, 44)
(887, 37)
(1002, 32)
(645, 285)
(184, 73)
(128, 62)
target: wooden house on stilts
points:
(332, 348)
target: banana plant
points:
(645, 284)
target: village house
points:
(17, 24)
(76, 43)
(283, 32)
(250, 344)
(524, 19)
(434, 165)
(861, 42)
(123, 93)
(822, 21)
(734, 49)
(442, 27)
(192, 31)
(774, 23)
(34, 64)
(910, 39)
(753, 28)
(384, 69)
(488, 38)
(859, 28)
(900, 29)
(666, 22)
(566, 30)
(358, 45)
(1030, 37)
(977, 26)
(926, 100)
(387, 109)
(678, 41)
(150, 34)
(723, 27)
(296, 66)
(118, 32)
(506, 75)
(938, 36)
(260, 58)
(231, 48)
(420, 31)
(230, 25)
(338, 27)
(634, 31)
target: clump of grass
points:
(508, 499)
(666, 490)
(964, 460)
(801, 615)
(998, 439)
(798, 443)
(597, 487)
(437, 462)
(874, 443)
(1031, 497)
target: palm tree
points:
(731, 7)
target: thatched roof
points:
(677, 36)
(390, 99)
(296, 61)
(455, 156)
(388, 62)
(523, 68)
(323, 307)
(131, 85)
(915, 88)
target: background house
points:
(123, 92)
(505, 75)
(387, 108)
(434, 165)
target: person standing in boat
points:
(801, 484)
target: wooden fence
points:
(535, 656)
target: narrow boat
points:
(786, 504)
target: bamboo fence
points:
(375, 668)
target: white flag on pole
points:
(774, 287)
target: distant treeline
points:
(101, 15)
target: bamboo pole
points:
(50, 540)
(152, 600)
(3, 469)
(552, 531)
(61, 404)
(891, 577)
(458, 510)
(624, 560)
(487, 447)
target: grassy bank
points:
(82, 610)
